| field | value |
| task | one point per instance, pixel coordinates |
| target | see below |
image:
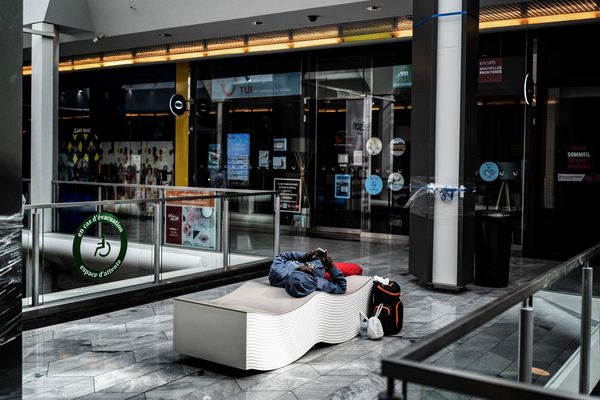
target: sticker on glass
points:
(373, 185)
(395, 181)
(374, 146)
(397, 146)
(489, 171)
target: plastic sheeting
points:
(10, 277)
(424, 191)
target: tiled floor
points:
(128, 354)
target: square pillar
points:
(445, 60)
(44, 115)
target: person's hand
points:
(311, 255)
(328, 262)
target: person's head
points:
(300, 284)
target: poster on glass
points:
(263, 158)
(342, 186)
(279, 162)
(190, 222)
(238, 159)
(290, 194)
(279, 144)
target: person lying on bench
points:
(303, 273)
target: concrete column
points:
(445, 58)
(11, 43)
(44, 115)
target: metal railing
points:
(408, 367)
(36, 232)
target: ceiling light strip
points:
(157, 55)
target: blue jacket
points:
(299, 284)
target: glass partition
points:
(493, 348)
(548, 342)
(251, 228)
(102, 246)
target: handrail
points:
(466, 324)
(405, 364)
(143, 186)
(147, 200)
(470, 383)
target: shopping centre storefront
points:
(332, 129)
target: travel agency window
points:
(248, 128)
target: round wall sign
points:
(395, 181)
(373, 185)
(374, 146)
(397, 146)
(177, 104)
(489, 171)
(103, 247)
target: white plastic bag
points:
(374, 329)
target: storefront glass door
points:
(362, 147)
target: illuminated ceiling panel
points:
(387, 29)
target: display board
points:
(290, 194)
(238, 159)
(191, 222)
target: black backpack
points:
(392, 311)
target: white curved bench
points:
(258, 326)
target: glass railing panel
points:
(134, 238)
(251, 228)
(489, 350)
(191, 233)
(107, 250)
(493, 348)
(67, 220)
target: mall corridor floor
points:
(128, 354)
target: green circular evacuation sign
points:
(103, 248)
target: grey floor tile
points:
(181, 387)
(124, 374)
(106, 396)
(219, 390)
(149, 322)
(246, 382)
(335, 359)
(82, 360)
(44, 384)
(489, 364)
(124, 316)
(458, 359)
(103, 366)
(152, 380)
(153, 350)
(287, 396)
(33, 371)
(129, 341)
(323, 386)
(288, 380)
(89, 330)
(259, 395)
(70, 391)
(364, 388)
